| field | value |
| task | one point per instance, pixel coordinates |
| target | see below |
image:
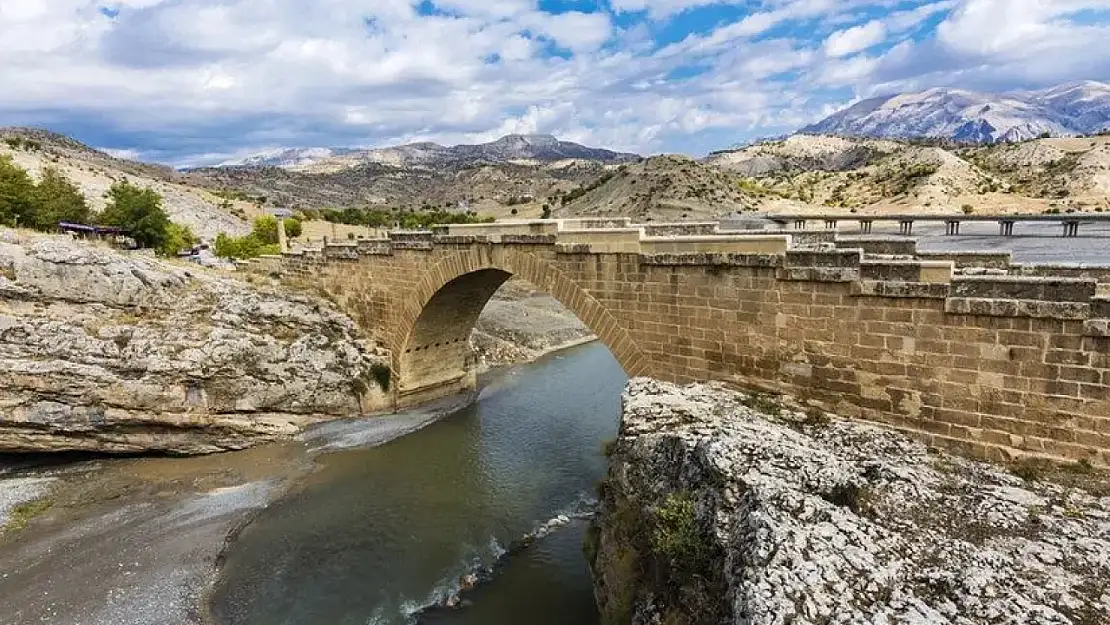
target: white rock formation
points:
(115, 352)
(714, 512)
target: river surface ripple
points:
(378, 534)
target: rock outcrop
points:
(119, 352)
(520, 324)
(725, 508)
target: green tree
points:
(139, 211)
(293, 228)
(178, 238)
(266, 230)
(57, 199)
(16, 193)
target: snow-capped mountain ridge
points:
(542, 148)
(968, 116)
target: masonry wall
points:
(991, 367)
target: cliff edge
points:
(720, 507)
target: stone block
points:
(1045, 289)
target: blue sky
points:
(201, 81)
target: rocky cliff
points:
(117, 352)
(725, 508)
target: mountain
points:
(535, 149)
(286, 157)
(973, 117)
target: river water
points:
(376, 534)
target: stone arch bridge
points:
(995, 366)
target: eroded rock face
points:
(121, 353)
(521, 324)
(715, 513)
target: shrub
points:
(139, 211)
(266, 229)
(178, 238)
(16, 193)
(382, 375)
(676, 535)
(293, 228)
(967, 209)
(57, 199)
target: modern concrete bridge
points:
(993, 365)
(1069, 221)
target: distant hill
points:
(883, 175)
(534, 149)
(972, 117)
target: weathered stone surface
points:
(520, 324)
(123, 353)
(715, 513)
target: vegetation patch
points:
(677, 536)
(262, 240)
(55, 199)
(384, 218)
(764, 404)
(382, 375)
(22, 515)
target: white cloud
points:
(182, 78)
(855, 39)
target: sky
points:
(190, 82)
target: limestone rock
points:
(715, 513)
(119, 352)
(521, 324)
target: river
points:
(378, 533)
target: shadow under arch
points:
(433, 357)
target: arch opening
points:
(435, 357)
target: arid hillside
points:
(94, 172)
(488, 188)
(663, 188)
(822, 173)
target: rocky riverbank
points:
(721, 507)
(117, 352)
(521, 323)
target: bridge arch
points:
(431, 341)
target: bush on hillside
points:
(138, 211)
(379, 218)
(293, 228)
(16, 193)
(263, 240)
(178, 238)
(56, 199)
